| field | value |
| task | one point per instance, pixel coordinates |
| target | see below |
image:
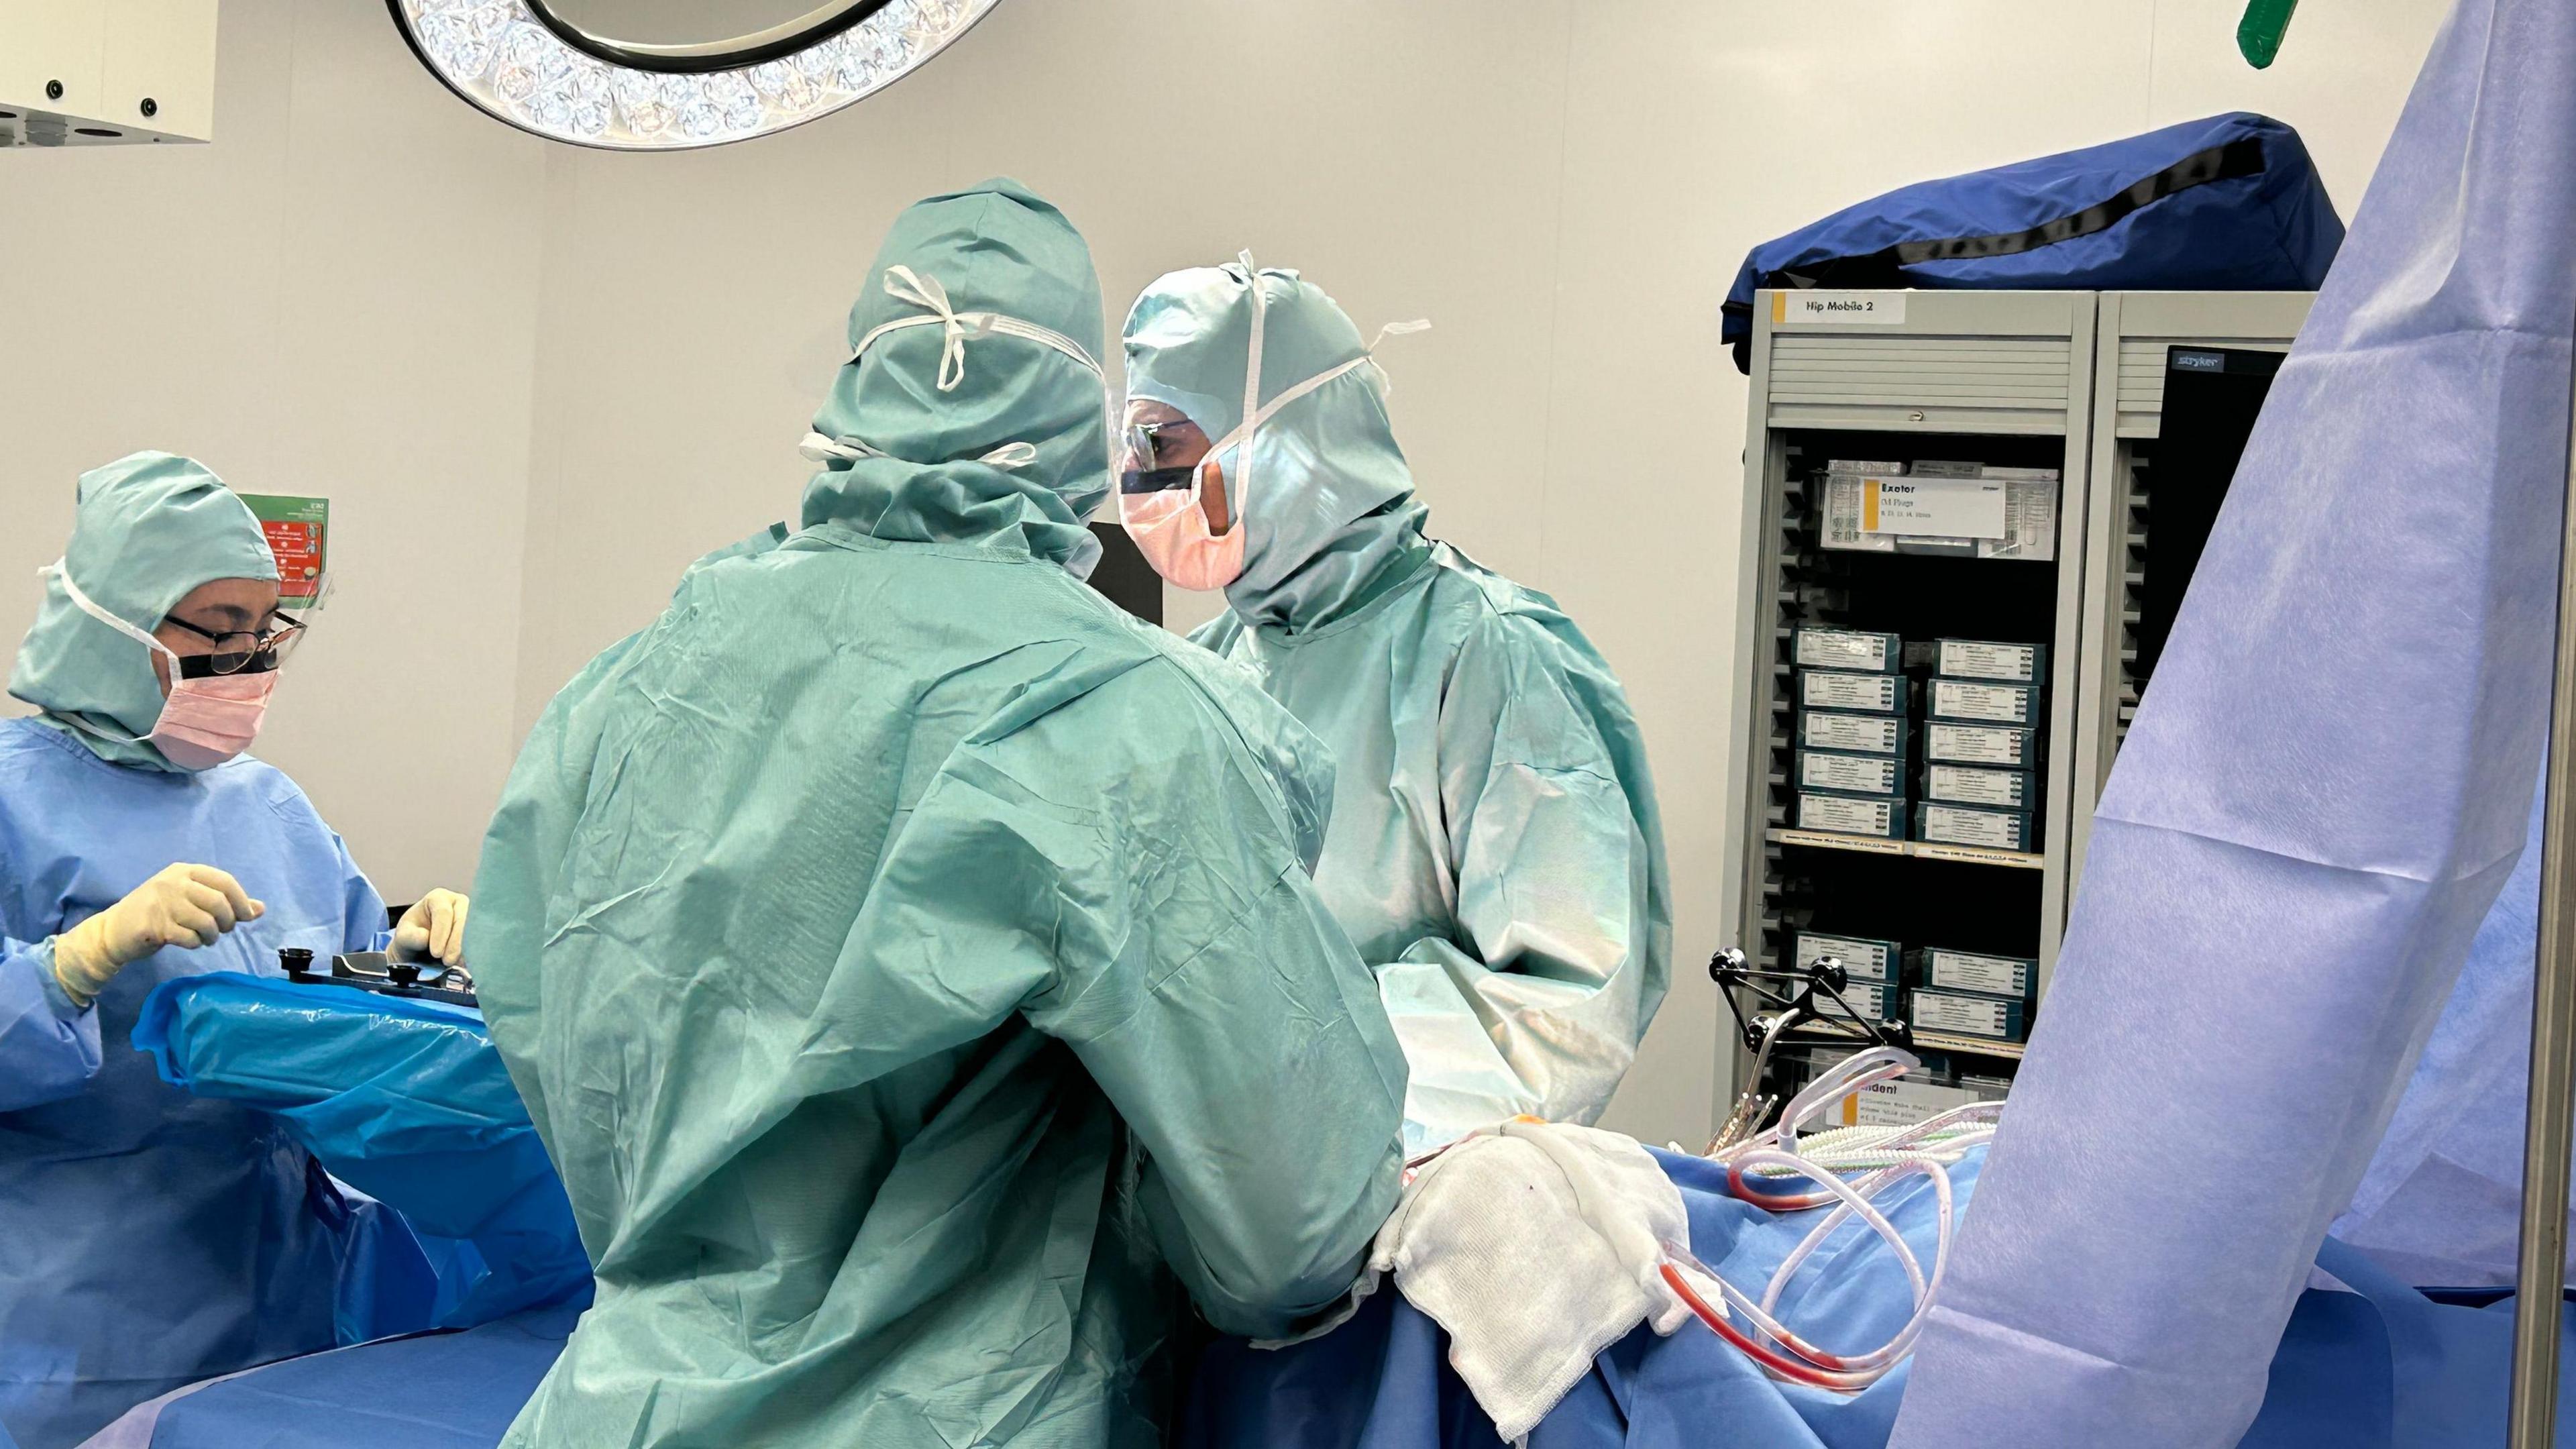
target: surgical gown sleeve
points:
(523, 855)
(1130, 857)
(48, 1047)
(363, 923)
(1563, 946)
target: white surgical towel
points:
(1536, 1247)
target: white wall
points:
(1565, 186)
(335, 298)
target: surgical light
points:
(521, 63)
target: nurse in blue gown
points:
(149, 1239)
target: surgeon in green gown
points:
(1495, 849)
(911, 961)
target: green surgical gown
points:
(1495, 849)
(910, 961)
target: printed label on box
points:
(1964, 1015)
(1843, 649)
(1866, 998)
(2030, 523)
(1857, 774)
(2000, 703)
(1838, 525)
(1868, 734)
(1968, 785)
(1900, 1103)
(1966, 971)
(1961, 825)
(1847, 816)
(1971, 659)
(1941, 507)
(1862, 960)
(1978, 744)
(1876, 692)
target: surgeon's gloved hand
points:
(433, 929)
(185, 905)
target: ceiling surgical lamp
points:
(525, 63)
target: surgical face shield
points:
(1173, 499)
(1160, 450)
(1149, 497)
(1158, 438)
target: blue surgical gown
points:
(149, 1238)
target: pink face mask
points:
(203, 722)
(1171, 530)
(1167, 524)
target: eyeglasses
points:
(241, 650)
(1149, 445)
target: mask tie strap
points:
(1394, 329)
(81, 601)
(906, 285)
(820, 449)
(57, 573)
(1242, 435)
(1251, 389)
(928, 293)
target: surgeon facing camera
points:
(149, 1238)
(1495, 849)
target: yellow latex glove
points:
(434, 928)
(185, 905)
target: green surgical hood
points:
(1496, 851)
(910, 961)
(148, 529)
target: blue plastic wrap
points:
(2227, 203)
(2325, 790)
(408, 1102)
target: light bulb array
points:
(500, 57)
